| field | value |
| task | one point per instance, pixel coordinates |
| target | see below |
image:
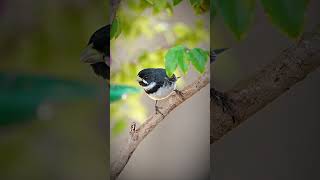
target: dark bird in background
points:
(157, 84)
(97, 52)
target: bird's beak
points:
(91, 56)
(139, 79)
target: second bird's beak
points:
(91, 56)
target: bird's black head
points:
(101, 40)
(149, 75)
(97, 53)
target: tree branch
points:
(138, 135)
(233, 107)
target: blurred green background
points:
(52, 107)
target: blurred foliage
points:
(119, 127)
(141, 25)
(118, 92)
(49, 34)
(288, 15)
(22, 95)
(40, 45)
(150, 20)
(200, 6)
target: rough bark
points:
(137, 135)
(231, 108)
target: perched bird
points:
(97, 52)
(157, 84)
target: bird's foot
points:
(224, 102)
(221, 99)
(180, 93)
(158, 111)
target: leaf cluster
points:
(180, 56)
(287, 15)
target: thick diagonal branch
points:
(138, 135)
(253, 94)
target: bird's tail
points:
(215, 52)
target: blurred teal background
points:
(52, 107)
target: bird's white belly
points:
(162, 92)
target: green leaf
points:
(237, 14)
(176, 2)
(159, 6)
(118, 92)
(169, 9)
(200, 6)
(182, 61)
(171, 59)
(23, 96)
(198, 58)
(288, 15)
(115, 28)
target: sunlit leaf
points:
(288, 15)
(182, 61)
(171, 59)
(198, 58)
(237, 14)
(159, 5)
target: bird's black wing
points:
(101, 69)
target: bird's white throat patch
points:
(150, 86)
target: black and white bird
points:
(157, 84)
(97, 52)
